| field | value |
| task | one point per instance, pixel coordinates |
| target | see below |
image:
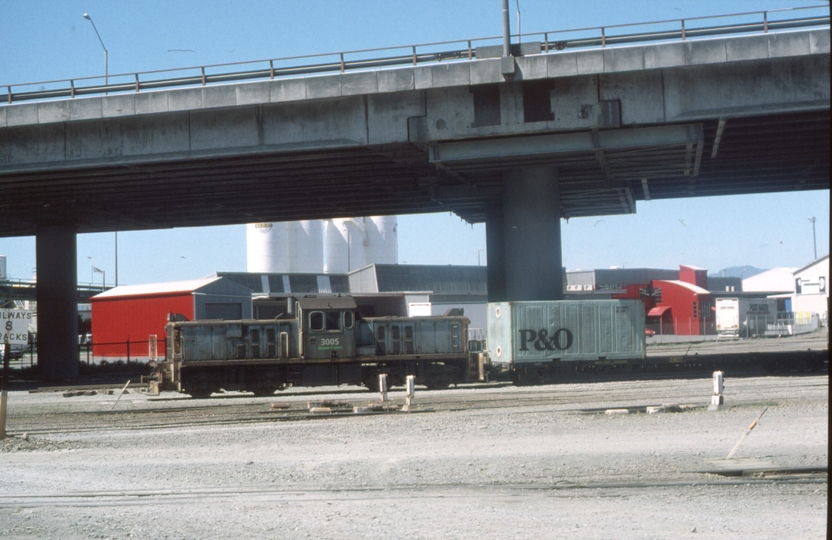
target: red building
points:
(685, 306)
(644, 292)
(124, 318)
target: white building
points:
(811, 288)
(773, 280)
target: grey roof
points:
(298, 283)
(327, 302)
(448, 279)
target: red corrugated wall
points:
(681, 300)
(117, 320)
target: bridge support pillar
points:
(57, 295)
(523, 238)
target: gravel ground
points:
(541, 471)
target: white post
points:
(382, 386)
(152, 347)
(411, 392)
(717, 399)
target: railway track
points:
(633, 388)
(171, 413)
(273, 494)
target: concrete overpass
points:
(517, 142)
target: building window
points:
(694, 309)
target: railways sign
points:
(15, 325)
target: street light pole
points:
(814, 238)
(506, 30)
(106, 60)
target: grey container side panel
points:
(566, 330)
(500, 342)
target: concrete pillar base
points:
(57, 294)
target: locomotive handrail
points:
(337, 62)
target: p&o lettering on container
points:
(561, 340)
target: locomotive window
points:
(349, 319)
(333, 320)
(316, 321)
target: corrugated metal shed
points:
(123, 318)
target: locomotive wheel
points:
(200, 394)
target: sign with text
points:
(15, 326)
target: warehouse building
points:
(811, 293)
(124, 318)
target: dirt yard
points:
(496, 462)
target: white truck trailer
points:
(744, 317)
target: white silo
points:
(382, 246)
(298, 247)
(266, 246)
(345, 239)
(337, 253)
(306, 247)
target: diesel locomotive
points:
(322, 342)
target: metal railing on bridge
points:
(428, 53)
(12, 290)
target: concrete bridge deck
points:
(747, 114)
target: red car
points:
(649, 333)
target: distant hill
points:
(739, 271)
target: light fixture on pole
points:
(106, 60)
(103, 276)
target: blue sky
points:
(42, 40)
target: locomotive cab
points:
(327, 326)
